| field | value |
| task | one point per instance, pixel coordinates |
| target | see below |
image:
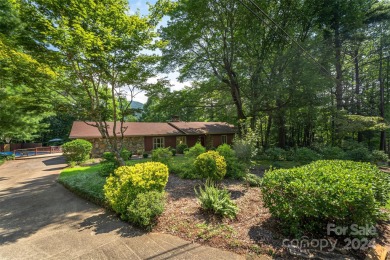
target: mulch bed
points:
(253, 232)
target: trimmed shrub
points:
(305, 155)
(253, 180)
(162, 155)
(108, 157)
(107, 168)
(360, 154)
(180, 148)
(127, 182)
(77, 151)
(195, 150)
(379, 156)
(332, 153)
(307, 198)
(7, 157)
(145, 155)
(234, 169)
(211, 165)
(144, 209)
(126, 154)
(173, 151)
(276, 154)
(216, 200)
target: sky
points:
(142, 7)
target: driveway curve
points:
(40, 219)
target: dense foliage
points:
(162, 155)
(146, 206)
(211, 165)
(216, 200)
(127, 182)
(77, 151)
(234, 169)
(195, 150)
(307, 198)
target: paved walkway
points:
(40, 219)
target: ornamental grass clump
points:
(211, 165)
(127, 183)
(307, 198)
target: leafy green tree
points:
(100, 46)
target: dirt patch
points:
(253, 232)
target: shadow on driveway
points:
(35, 200)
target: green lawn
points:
(86, 181)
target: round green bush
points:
(108, 157)
(127, 182)
(77, 151)
(211, 165)
(126, 154)
(180, 148)
(234, 169)
(143, 210)
(276, 154)
(307, 198)
(379, 156)
(305, 155)
(107, 168)
(195, 151)
(162, 155)
(332, 153)
(360, 154)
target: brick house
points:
(145, 136)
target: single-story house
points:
(145, 136)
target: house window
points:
(158, 142)
(181, 140)
(223, 139)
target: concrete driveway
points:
(40, 219)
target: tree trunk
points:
(339, 73)
(382, 145)
(268, 132)
(281, 126)
(357, 89)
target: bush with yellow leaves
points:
(127, 182)
(211, 165)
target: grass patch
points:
(2, 161)
(86, 182)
